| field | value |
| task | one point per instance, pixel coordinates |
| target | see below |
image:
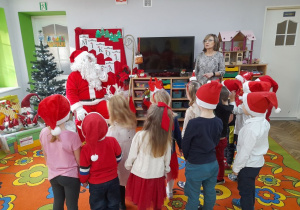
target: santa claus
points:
(85, 87)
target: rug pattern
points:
(24, 184)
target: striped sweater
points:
(105, 168)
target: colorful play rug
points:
(24, 184)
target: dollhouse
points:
(234, 46)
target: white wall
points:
(166, 18)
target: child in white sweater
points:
(149, 159)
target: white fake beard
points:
(89, 72)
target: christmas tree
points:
(44, 75)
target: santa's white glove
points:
(80, 113)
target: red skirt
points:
(173, 174)
(146, 193)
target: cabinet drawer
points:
(235, 68)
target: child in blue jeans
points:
(99, 160)
(201, 137)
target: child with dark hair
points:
(223, 111)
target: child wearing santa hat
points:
(274, 88)
(122, 126)
(252, 145)
(201, 137)
(99, 160)
(241, 117)
(61, 149)
(223, 111)
(149, 159)
(163, 96)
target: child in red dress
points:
(149, 159)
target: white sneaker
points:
(170, 195)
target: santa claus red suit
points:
(86, 87)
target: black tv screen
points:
(167, 54)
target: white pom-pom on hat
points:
(278, 110)
(94, 157)
(56, 131)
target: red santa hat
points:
(233, 85)
(193, 76)
(25, 104)
(208, 95)
(54, 110)
(79, 55)
(267, 78)
(244, 77)
(256, 86)
(257, 103)
(94, 129)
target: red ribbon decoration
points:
(165, 121)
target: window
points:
(61, 54)
(8, 76)
(286, 33)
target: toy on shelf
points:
(28, 116)
(256, 61)
(238, 44)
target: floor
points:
(287, 134)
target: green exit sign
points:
(43, 6)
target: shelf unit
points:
(248, 67)
(136, 100)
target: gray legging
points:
(68, 188)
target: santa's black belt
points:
(93, 99)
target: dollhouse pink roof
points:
(249, 34)
(225, 36)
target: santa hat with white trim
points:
(244, 77)
(94, 129)
(208, 95)
(256, 86)
(54, 110)
(193, 77)
(257, 103)
(267, 78)
(25, 104)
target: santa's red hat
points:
(244, 77)
(26, 101)
(193, 76)
(80, 55)
(54, 110)
(75, 54)
(208, 95)
(94, 129)
(256, 86)
(233, 85)
(257, 103)
(267, 78)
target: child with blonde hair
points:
(149, 159)
(122, 126)
(193, 111)
(61, 149)
(163, 96)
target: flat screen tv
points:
(167, 54)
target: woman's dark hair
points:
(216, 41)
(224, 94)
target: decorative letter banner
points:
(107, 46)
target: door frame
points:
(261, 49)
(28, 36)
